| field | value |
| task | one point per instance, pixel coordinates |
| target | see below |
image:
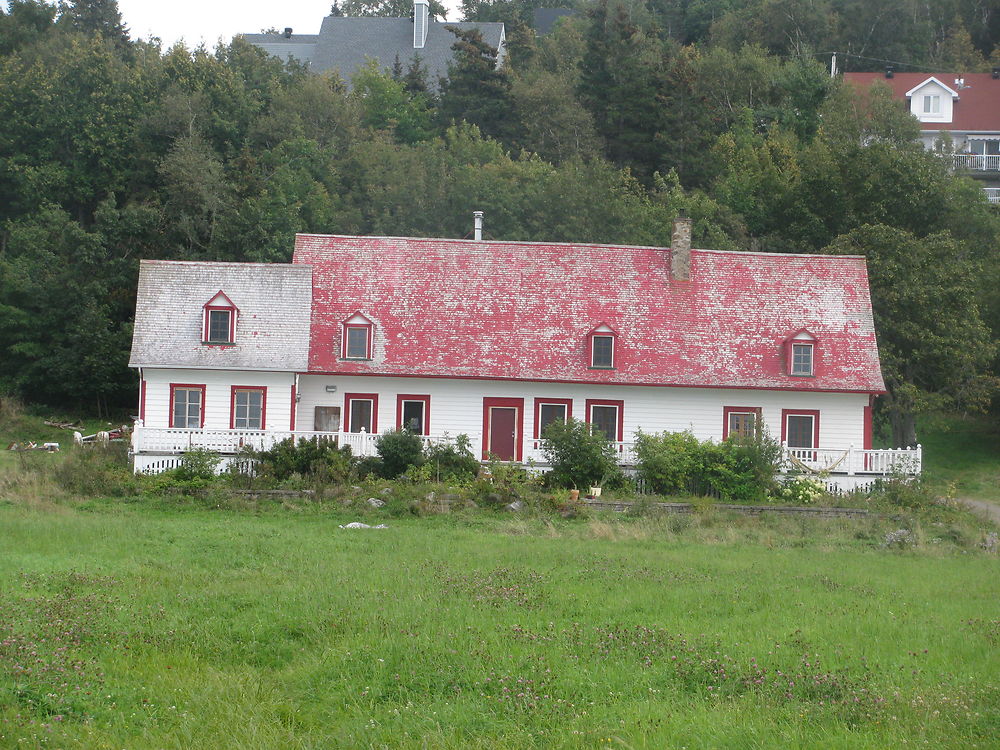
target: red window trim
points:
(263, 405)
(369, 330)
(592, 402)
(869, 429)
(790, 342)
(348, 398)
(567, 402)
(142, 402)
(400, 398)
(727, 410)
(233, 312)
(187, 386)
(814, 413)
(516, 403)
(610, 333)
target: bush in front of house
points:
(305, 458)
(451, 463)
(579, 455)
(96, 470)
(739, 469)
(399, 450)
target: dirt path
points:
(984, 508)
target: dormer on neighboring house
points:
(932, 101)
(219, 326)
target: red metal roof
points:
(513, 310)
(978, 105)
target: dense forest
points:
(114, 149)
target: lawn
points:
(172, 625)
(962, 456)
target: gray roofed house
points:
(345, 44)
(272, 310)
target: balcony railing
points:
(977, 162)
(992, 194)
(851, 461)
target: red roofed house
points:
(966, 106)
(497, 339)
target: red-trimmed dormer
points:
(602, 347)
(357, 333)
(801, 354)
(219, 326)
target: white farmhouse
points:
(497, 339)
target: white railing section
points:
(992, 194)
(161, 441)
(978, 162)
(850, 461)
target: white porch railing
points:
(851, 461)
(978, 162)
(164, 441)
(992, 194)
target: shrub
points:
(306, 457)
(399, 450)
(740, 469)
(903, 492)
(452, 463)
(802, 490)
(97, 470)
(198, 464)
(579, 456)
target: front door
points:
(503, 428)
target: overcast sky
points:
(195, 21)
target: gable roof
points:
(977, 107)
(345, 44)
(932, 79)
(272, 328)
(523, 311)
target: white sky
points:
(197, 21)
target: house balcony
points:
(157, 449)
(977, 164)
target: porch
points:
(157, 449)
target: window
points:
(802, 359)
(413, 413)
(602, 345)
(247, 408)
(606, 417)
(740, 421)
(800, 428)
(549, 410)
(219, 325)
(362, 412)
(187, 406)
(357, 337)
(932, 104)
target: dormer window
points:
(219, 326)
(357, 337)
(602, 344)
(801, 354)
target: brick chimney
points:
(421, 12)
(680, 249)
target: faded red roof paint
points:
(977, 107)
(510, 310)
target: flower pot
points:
(595, 491)
(574, 496)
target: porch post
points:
(850, 460)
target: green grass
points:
(170, 626)
(962, 456)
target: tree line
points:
(115, 149)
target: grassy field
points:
(172, 626)
(962, 457)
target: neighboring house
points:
(966, 106)
(497, 339)
(346, 44)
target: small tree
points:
(579, 455)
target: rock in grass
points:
(376, 503)
(515, 507)
(359, 525)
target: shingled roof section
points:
(345, 45)
(977, 108)
(272, 328)
(511, 310)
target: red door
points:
(503, 427)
